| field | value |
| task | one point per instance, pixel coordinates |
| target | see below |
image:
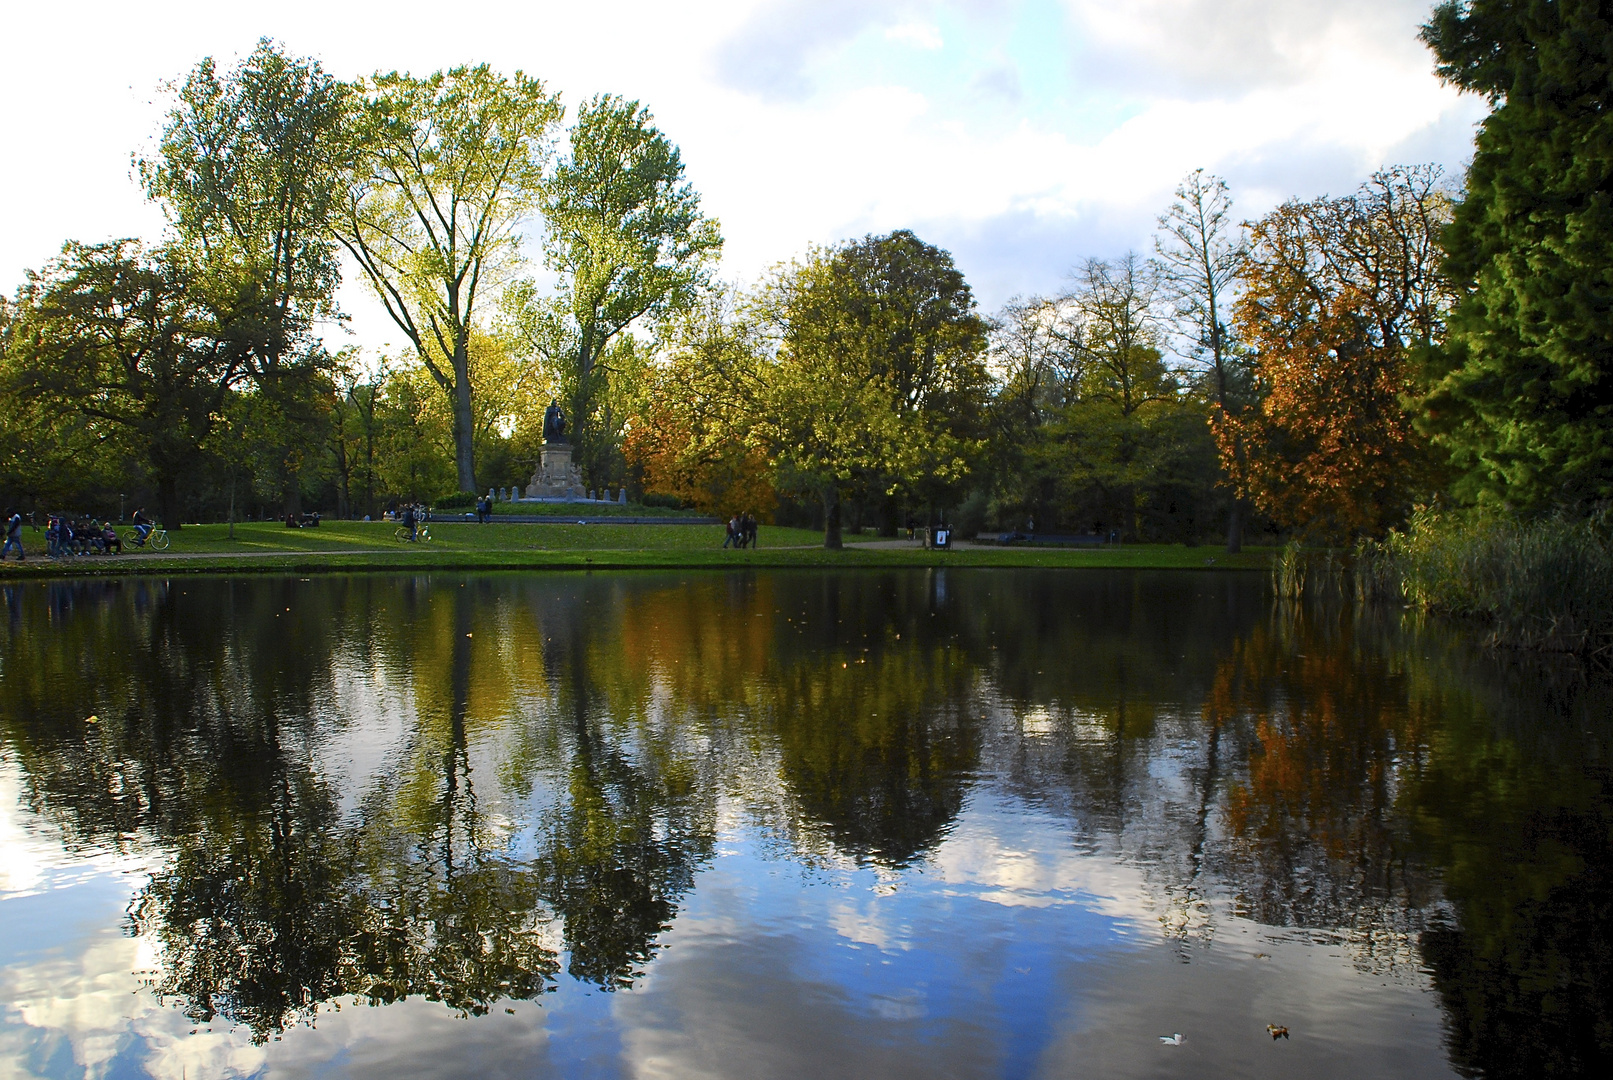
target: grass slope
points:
(354, 545)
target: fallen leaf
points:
(1277, 1032)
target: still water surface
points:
(929, 824)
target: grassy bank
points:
(355, 546)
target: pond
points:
(933, 823)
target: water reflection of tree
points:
(1324, 737)
(1516, 809)
(566, 744)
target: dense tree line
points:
(1322, 370)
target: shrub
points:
(1540, 585)
(461, 500)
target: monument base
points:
(556, 477)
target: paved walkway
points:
(914, 545)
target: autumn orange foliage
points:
(676, 455)
(1336, 293)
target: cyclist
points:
(142, 526)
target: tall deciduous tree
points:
(1100, 442)
(1524, 390)
(877, 372)
(1197, 256)
(691, 440)
(630, 244)
(250, 169)
(118, 336)
(907, 314)
(452, 168)
(1339, 293)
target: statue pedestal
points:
(556, 477)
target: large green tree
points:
(120, 338)
(878, 377)
(1106, 446)
(1523, 392)
(630, 245)
(251, 166)
(906, 312)
(451, 171)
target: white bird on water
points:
(1172, 1040)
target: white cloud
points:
(919, 35)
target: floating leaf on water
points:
(1172, 1040)
(1277, 1031)
(92, 719)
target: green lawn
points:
(351, 545)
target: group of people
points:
(741, 531)
(66, 535)
(410, 515)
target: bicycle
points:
(422, 533)
(156, 540)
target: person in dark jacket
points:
(13, 537)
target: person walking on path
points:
(749, 526)
(13, 537)
(732, 539)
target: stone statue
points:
(554, 424)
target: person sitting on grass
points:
(142, 526)
(13, 537)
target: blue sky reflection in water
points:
(930, 823)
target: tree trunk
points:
(464, 429)
(1235, 528)
(887, 519)
(168, 502)
(831, 518)
(291, 495)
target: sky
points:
(1024, 136)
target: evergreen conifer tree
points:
(1522, 391)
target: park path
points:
(916, 545)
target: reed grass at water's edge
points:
(1542, 585)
